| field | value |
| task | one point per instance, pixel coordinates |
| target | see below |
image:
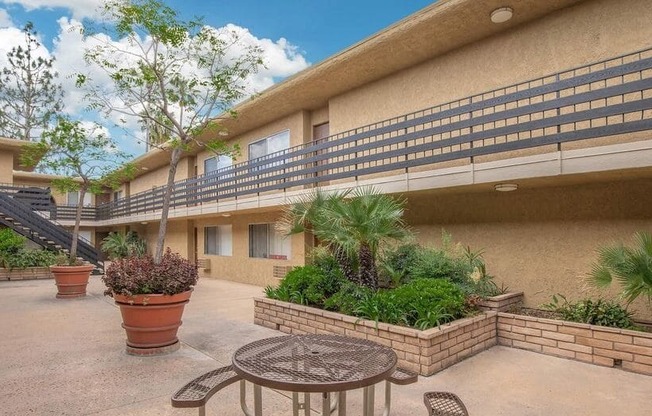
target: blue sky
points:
(295, 34)
(319, 28)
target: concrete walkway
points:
(66, 357)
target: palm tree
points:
(354, 223)
(631, 267)
(305, 212)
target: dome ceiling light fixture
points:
(502, 14)
(506, 187)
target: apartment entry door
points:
(320, 134)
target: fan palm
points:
(305, 212)
(119, 246)
(631, 267)
(353, 223)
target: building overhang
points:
(433, 31)
(14, 147)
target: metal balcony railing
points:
(606, 98)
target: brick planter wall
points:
(29, 273)
(501, 303)
(430, 351)
(425, 352)
(611, 347)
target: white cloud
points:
(281, 60)
(79, 8)
(5, 19)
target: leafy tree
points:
(631, 267)
(29, 93)
(87, 160)
(178, 78)
(355, 223)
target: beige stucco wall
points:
(177, 236)
(579, 35)
(576, 36)
(240, 267)
(159, 177)
(541, 241)
(319, 116)
(6, 167)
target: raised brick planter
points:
(501, 303)
(425, 352)
(611, 347)
(430, 351)
(29, 273)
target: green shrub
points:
(348, 298)
(380, 307)
(395, 264)
(307, 285)
(10, 244)
(595, 312)
(437, 264)
(24, 258)
(423, 303)
(429, 302)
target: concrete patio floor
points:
(66, 357)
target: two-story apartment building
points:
(450, 107)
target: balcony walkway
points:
(67, 358)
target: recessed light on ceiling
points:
(505, 187)
(502, 14)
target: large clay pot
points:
(71, 281)
(152, 321)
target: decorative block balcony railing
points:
(606, 98)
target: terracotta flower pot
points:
(71, 281)
(152, 321)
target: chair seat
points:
(402, 377)
(441, 403)
(197, 392)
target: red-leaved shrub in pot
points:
(151, 299)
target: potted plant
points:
(151, 297)
(86, 160)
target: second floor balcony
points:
(610, 99)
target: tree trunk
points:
(160, 241)
(75, 230)
(344, 262)
(368, 274)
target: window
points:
(217, 162)
(267, 243)
(117, 195)
(272, 144)
(217, 240)
(73, 198)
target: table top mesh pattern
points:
(314, 362)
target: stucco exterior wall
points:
(239, 267)
(159, 177)
(177, 237)
(6, 167)
(584, 33)
(541, 241)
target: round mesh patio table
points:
(314, 363)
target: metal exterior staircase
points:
(19, 216)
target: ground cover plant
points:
(591, 311)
